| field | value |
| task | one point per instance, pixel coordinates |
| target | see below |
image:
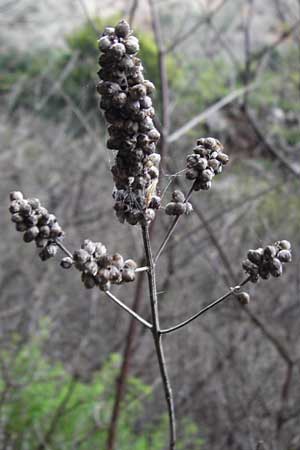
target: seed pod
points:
(122, 29)
(104, 43)
(214, 164)
(284, 245)
(34, 203)
(223, 158)
(48, 252)
(132, 45)
(31, 234)
(284, 256)
(146, 101)
(14, 207)
(264, 271)
(149, 214)
(114, 274)
(16, 195)
(55, 231)
(251, 269)
(89, 246)
(104, 286)
(91, 267)
(269, 252)
(109, 31)
(150, 88)
(178, 196)
(21, 226)
(66, 263)
(45, 231)
(17, 218)
(155, 202)
(31, 220)
(100, 250)
(207, 175)
(255, 256)
(88, 280)
(117, 260)
(179, 208)
(119, 100)
(275, 267)
(243, 298)
(40, 242)
(117, 50)
(130, 264)
(192, 174)
(154, 135)
(81, 256)
(170, 209)
(128, 275)
(103, 275)
(188, 208)
(25, 208)
(146, 125)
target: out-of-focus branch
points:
(189, 33)
(209, 111)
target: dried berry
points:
(66, 263)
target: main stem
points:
(158, 337)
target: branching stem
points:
(158, 337)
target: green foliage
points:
(48, 403)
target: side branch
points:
(129, 310)
(171, 229)
(232, 291)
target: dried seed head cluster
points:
(263, 262)
(36, 223)
(98, 267)
(178, 205)
(207, 161)
(126, 101)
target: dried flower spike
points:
(36, 223)
(127, 105)
(98, 267)
(207, 161)
(263, 262)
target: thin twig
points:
(158, 338)
(232, 291)
(129, 310)
(171, 229)
(63, 248)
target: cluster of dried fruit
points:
(207, 161)
(178, 205)
(263, 262)
(98, 267)
(36, 223)
(126, 101)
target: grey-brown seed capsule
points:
(128, 275)
(243, 298)
(284, 256)
(66, 263)
(178, 196)
(16, 195)
(122, 29)
(284, 245)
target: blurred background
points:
(223, 68)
